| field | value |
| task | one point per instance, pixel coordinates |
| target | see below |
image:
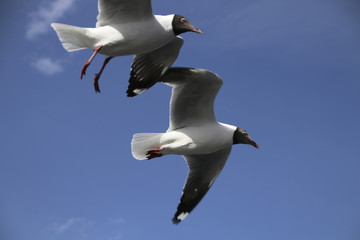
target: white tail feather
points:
(142, 142)
(72, 38)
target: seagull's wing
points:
(148, 68)
(193, 95)
(203, 170)
(122, 11)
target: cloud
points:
(68, 224)
(41, 19)
(72, 224)
(47, 66)
(87, 229)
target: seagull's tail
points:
(72, 38)
(142, 142)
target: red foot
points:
(96, 83)
(97, 76)
(87, 63)
(83, 69)
(153, 153)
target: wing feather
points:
(193, 96)
(122, 11)
(203, 170)
(148, 68)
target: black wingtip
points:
(133, 86)
(130, 93)
(176, 221)
(133, 91)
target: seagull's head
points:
(241, 136)
(181, 24)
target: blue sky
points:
(291, 78)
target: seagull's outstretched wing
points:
(148, 68)
(203, 170)
(122, 11)
(193, 96)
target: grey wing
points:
(148, 68)
(203, 170)
(122, 11)
(193, 96)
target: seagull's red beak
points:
(254, 144)
(196, 30)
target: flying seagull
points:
(127, 27)
(194, 133)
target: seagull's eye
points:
(183, 20)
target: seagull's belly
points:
(195, 140)
(140, 39)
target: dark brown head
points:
(241, 136)
(180, 25)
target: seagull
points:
(127, 27)
(193, 133)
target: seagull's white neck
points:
(228, 126)
(165, 21)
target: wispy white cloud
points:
(71, 222)
(47, 66)
(41, 19)
(82, 228)
(72, 225)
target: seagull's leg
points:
(97, 76)
(153, 153)
(87, 63)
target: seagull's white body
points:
(138, 38)
(204, 139)
(197, 140)
(193, 132)
(119, 39)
